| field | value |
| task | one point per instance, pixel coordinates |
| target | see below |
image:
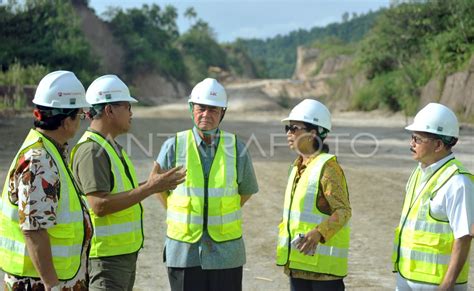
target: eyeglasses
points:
(419, 140)
(292, 128)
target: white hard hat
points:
(108, 88)
(436, 118)
(60, 89)
(209, 92)
(310, 111)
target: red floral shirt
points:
(34, 187)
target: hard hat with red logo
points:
(60, 89)
(107, 89)
(209, 92)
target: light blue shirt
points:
(208, 254)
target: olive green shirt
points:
(91, 167)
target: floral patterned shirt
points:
(34, 187)
(333, 200)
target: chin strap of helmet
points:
(322, 132)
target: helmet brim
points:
(208, 103)
(287, 120)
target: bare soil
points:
(371, 147)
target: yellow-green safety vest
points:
(66, 237)
(121, 232)
(185, 213)
(423, 244)
(300, 215)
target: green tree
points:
(201, 50)
(47, 33)
(277, 55)
(190, 13)
(413, 42)
(345, 17)
(147, 35)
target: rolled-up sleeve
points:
(246, 178)
(460, 205)
(166, 157)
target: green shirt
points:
(91, 167)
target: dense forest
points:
(42, 35)
(410, 44)
(277, 55)
(397, 49)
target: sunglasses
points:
(293, 128)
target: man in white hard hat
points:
(45, 228)
(204, 249)
(436, 227)
(106, 175)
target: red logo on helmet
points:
(213, 93)
(60, 94)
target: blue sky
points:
(256, 18)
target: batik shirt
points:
(34, 186)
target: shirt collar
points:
(428, 171)
(62, 148)
(113, 142)
(299, 160)
(199, 140)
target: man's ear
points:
(439, 146)
(108, 110)
(66, 122)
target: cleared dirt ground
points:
(371, 147)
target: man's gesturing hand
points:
(160, 181)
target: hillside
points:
(415, 53)
(141, 45)
(278, 54)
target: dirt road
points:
(372, 149)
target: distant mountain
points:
(277, 55)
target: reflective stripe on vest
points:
(423, 245)
(185, 213)
(121, 232)
(301, 215)
(66, 237)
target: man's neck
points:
(104, 129)
(435, 159)
(207, 138)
